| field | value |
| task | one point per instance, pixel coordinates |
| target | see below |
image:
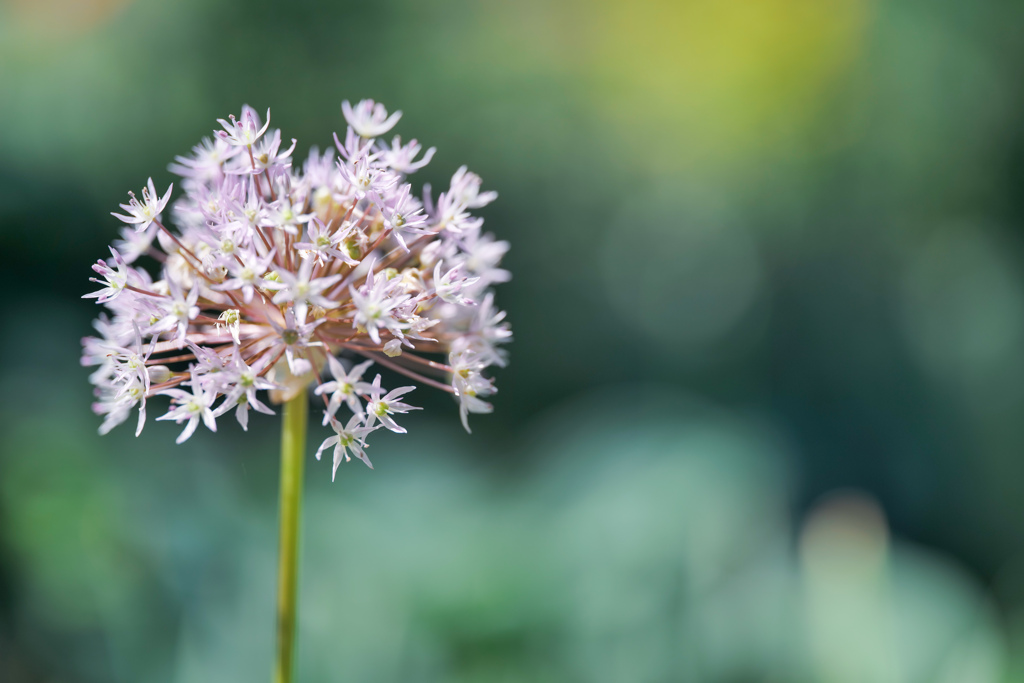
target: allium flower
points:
(351, 437)
(247, 273)
(451, 285)
(114, 279)
(142, 214)
(382, 406)
(240, 384)
(300, 290)
(134, 244)
(465, 188)
(404, 216)
(378, 305)
(469, 384)
(181, 310)
(190, 408)
(243, 132)
(326, 243)
(207, 160)
(400, 158)
(347, 386)
(266, 154)
(369, 119)
(271, 274)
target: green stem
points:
(293, 446)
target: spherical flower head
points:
(273, 274)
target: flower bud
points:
(158, 374)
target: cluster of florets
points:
(272, 273)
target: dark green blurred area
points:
(764, 419)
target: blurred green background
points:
(764, 419)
